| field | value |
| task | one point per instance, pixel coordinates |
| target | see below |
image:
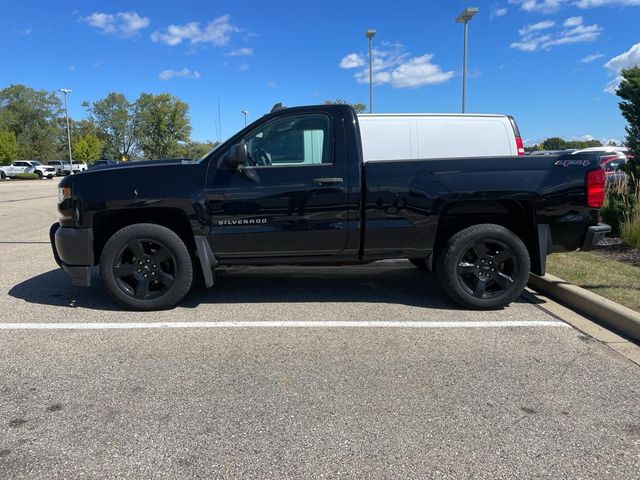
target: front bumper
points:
(73, 251)
(595, 235)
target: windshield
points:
(35, 164)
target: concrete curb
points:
(607, 312)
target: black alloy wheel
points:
(487, 269)
(144, 269)
(146, 266)
(484, 267)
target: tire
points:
(3, 175)
(421, 263)
(40, 176)
(146, 254)
(484, 267)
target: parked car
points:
(63, 167)
(103, 163)
(537, 153)
(27, 166)
(438, 135)
(298, 186)
(612, 160)
(604, 150)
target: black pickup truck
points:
(292, 188)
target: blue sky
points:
(547, 62)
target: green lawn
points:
(613, 280)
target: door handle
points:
(327, 181)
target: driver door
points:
(289, 199)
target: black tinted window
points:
(294, 140)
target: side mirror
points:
(236, 156)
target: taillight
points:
(595, 188)
(520, 146)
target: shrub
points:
(630, 225)
(618, 205)
(26, 176)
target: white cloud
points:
(123, 24)
(392, 65)
(25, 31)
(591, 58)
(603, 3)
(241, 52)
(216, 32)
(540, 6)
(272, 84)
(573, 21)
(630, 58)
(536, 27)
(573, 31)
(352, 60)
(417, 72)
(551, 6)
(498, 12)
(184, 73)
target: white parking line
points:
(279, 324)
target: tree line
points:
(32, 127)
(557, 143)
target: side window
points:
(296, 140)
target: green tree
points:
(163, 123)
(116, 121)
(358, 107)
(87, 148)
(8, 147)
(629, 92)
(193, 149)
(554, 143)
(35, 117)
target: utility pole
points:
(66, 91)
(370, 34)
(466, 15)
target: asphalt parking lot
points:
(424, 395)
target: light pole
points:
(466, 15)
(245, 113)
(66, 91)
(370, 35)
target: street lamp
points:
(66, 91)
(466, 15)
(245, 113)
(370, 34)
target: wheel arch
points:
(108, 222)
(515, 215)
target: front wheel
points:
(39, 174)
(3, 176)
(146, 267)
(484, 267)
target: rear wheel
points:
(3, 176)
(146, 267)
(484, 267)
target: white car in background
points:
(27, 166)
(612, 159)
(64, 168)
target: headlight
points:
(63, 194)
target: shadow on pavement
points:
(394, 284)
